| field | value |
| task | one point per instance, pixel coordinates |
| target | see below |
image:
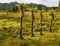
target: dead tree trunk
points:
(32, 23)
(22, 15)
(41, 23)
(32, 30)
(21, 29)
(51, 23)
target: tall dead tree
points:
(32, 22)
(21, 20)
(51, 22)
(41, 17)
(33, 8)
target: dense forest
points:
(13, 4)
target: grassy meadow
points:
(10, 30)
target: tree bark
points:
(51, 25)
(21, 29)
(32, 30)
(52, 18)
(41, 27)
(32, 23)
(41, 24)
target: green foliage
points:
(33, 7)
(13, 4)
(15, 9)
(43, 8)
(8, 8)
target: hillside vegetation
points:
(10, 30)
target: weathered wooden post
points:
(21, 20)
(41, 17)
(51, 22)
(32, 22)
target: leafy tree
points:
(43, 8)
(15, 9)
(8, 9)
(33, 8)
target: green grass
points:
(10, 27)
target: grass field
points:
(10, 29)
